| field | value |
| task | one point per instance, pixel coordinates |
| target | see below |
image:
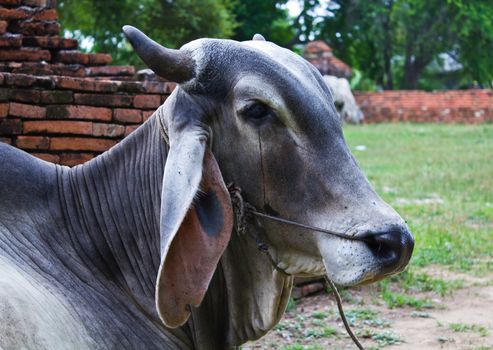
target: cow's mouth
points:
(377, 255)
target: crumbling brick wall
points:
(453, 106)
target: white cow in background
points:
(344, 100)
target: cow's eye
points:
(257, 111)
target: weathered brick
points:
(4, 110)
(26, 111)
(72, 159)
(10, 127)
(81, 144)
(39, 3)
(29, 27)
(103, 100)
(50, 42)
(24, 54)
(3, 27)
(4, 94)
(58, 127)
(79, 112)
(132, 87)
(10, 40)
(107, 130)
(98, 59)
(56, 97)
(65, 56)
(127, 115)
(15, 13)
(25, 80)
(10, 2)
(147, 114)
(147, 101)
(154, 87)
(111, 71)
(33, 142)
(52, 158)
(6, 140)
(46, 15)
(86, 84)
(25, 95)
(130, 129)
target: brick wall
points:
(454, 106)
(70, 120)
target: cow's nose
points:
(393, 248)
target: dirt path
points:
(463, 320)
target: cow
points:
(344, 100)
(139, 248)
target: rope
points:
(243, 210)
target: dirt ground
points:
(461, 320)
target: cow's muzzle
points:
(392, 248)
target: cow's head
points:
(268, 119)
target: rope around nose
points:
(243, 209)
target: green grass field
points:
(440, 179)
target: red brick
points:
(58, 127)
(5, 94)
(99, 59)
(25, 95)
(10, 127)
(15, 13)
(25, 80)
(108, 130)
(33, 142)
(4, 110)
(130, 129)
(79, 112)
(154, 87)
(39, 3)
(29, 27)
(27, 111)
(111, 71)
(10, 2)
(103, 100)
(56, 97)
(81, 144)
(50, 42)
(65, 56)
(43, 68)
(46, 15)
(127, 115)
(72, 159)
(10, 40)
(24, 54)
(48, 157)
(147, 114)
(147, 101)
(86, 84)
(6, 140)
(3, 27)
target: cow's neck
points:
(111, 205)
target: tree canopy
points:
(392, 44)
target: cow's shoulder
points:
(33, 317)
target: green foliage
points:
(463, 327)
(171, 23)
(400, 43)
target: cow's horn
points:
(170, 64)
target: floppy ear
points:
(196, 224)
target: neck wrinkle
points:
(111, 207)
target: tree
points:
(395, 41)
(171, 23)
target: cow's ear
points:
(196, 224)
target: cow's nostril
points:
(392, 248)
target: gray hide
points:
(121, 251)
(344, 100)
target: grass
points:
(439, 178)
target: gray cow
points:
(137, 249)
